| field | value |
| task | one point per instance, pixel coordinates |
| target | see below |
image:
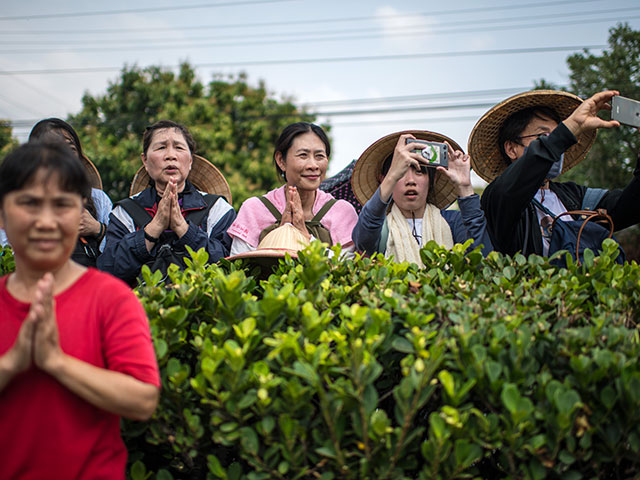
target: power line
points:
(139, 10)
(294, 61)
(467, 118)
(174, 45)
(385, 111)
(415, 98)
(377, 111)
(301, 21)
(298, 34)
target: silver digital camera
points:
(434, 153)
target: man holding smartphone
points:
(521, 145)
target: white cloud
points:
(396, 24)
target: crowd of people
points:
(79, 336)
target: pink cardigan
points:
(254, 217)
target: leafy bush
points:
(488, 368)
(7, 263)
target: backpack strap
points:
(323, 211)
(543, 208)
(592, 197)
(136, 211)
(271, 207)
(197, 216)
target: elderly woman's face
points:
(168, 158)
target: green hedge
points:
(470, 368)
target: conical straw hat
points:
(204, 176)
(92, 172)
(368, 168)
(278, 242)
(486, 159)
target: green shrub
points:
(7, 263)
(470, 368)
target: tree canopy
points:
(612, 159)
(7, 142)
(235, 125)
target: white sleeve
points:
(240, 246)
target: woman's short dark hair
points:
(515, 124)
(288, 135)
(20, 167)
(150, 130)
(42, 129)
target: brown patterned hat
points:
(368, 169)
(92, 172)
(486, 159)
(204, 176)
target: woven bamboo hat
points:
(92, 172)
(204, 176)
(278, 242)
(486, 159)
(368, 169)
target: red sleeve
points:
(127, 345)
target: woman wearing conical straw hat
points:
(405, 199)
(521, 145)
(95, 216)
(170, 186)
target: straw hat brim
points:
(368, 168)
(486, 159)
(264, 253)
(92, 172)
(203, 175)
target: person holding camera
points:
(521, 145)
(405, 198)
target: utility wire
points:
(139, 10)
(174, 45)
(295, 61)
(296, 22)
(425, 108)
(417, 98)
(299, 35)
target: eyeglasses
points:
(537, 135)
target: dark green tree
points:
(7, 142)
(235, 125)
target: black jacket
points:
(507, 200)
(125, 251)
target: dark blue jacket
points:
(467, 223)
(125, 251)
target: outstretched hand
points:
(459, 171)
(585, 117)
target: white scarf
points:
(403, 246)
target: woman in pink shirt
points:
(301, 158)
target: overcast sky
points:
(408, 65)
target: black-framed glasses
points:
(537, 135)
